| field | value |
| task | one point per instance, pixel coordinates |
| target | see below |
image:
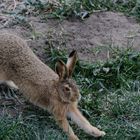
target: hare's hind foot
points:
(10, 84)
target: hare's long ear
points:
(61, 69)
(71, 62)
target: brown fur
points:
(56, 92)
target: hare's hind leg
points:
(9, 83)
(83, 123)
(4, 80)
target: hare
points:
(54, 91)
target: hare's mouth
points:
(76, 98)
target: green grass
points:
(110, 90)
(110, 100)
(73, 8)
(82, 8)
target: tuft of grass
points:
(30, 127)
(71, 8)
(121, 69)
(14, 129)
(83, 8)
(136, 10)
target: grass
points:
(83, 8)
(71, 8)
(110, 90)
(110, 100)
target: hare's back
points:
(12, 45)
(16, 56)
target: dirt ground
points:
(90, 37)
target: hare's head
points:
(66, 87)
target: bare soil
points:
(90, 37)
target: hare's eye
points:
(67, 88)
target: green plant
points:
(72, 8)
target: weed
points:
(73, 8)
(82, 8)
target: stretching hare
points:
(54, 91)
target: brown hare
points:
(54, 91)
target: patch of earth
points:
(90, 37)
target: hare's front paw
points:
(101, 134)
(74, 137)
(97, 133)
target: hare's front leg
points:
(83, 123)
(63, 123)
